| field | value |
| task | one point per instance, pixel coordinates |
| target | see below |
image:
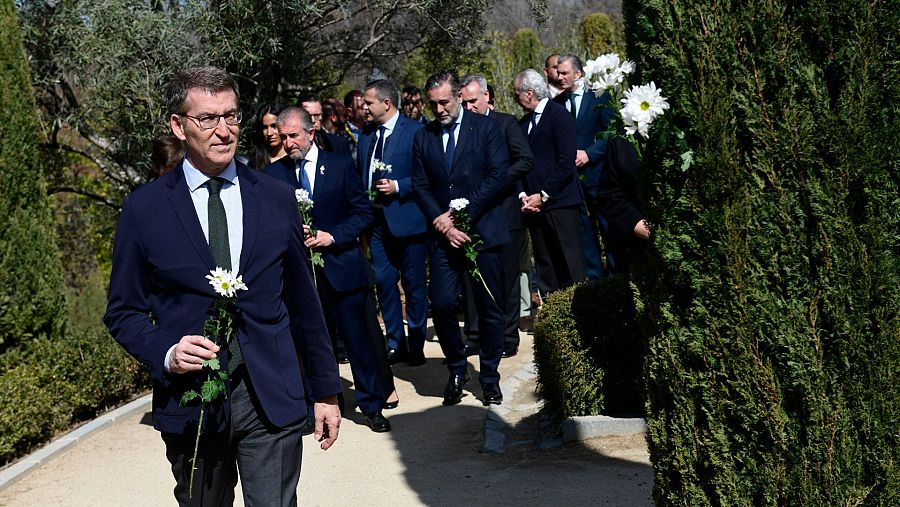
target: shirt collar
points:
(392, 123)
(541, 105)
(312, 154)
(196, 179)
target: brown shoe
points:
(526, 324)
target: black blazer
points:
(617, 195)
(553, 143)
(521, 162)
(478, 173)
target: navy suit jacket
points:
(478, 173)
(553, 144)
(158, 293)
(341, 208)
(521, 162)
(593, 118)
(403, 216)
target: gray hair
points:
(577, 66)
(529, 79)
(478, 78)
(296, 113)
(435, 81)
(385, 89)
(209, 79)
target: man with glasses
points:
(324, 140)
(210, 212)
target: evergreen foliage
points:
(32, 292)
(589, 351)
(600, 34)
(773, 288)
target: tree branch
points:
(90, 195)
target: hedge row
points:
(589, 351)
(56, 384)
(772, 290)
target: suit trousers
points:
(400, 259)
(448, 267)
(558, 251)
(372, 381)
(590, 234)
(268, 457)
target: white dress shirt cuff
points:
(168, 357)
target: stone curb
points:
(495, 422)
(583, 428)
(17, 470)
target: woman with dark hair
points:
(265, 135)
(167, 153)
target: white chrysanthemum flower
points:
(459, 204)
(225, 283)
(302, 196)
(641, 105)
(388, 168)
(607, 71)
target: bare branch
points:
(90, 195)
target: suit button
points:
(451, 186)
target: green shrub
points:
(58, 383)
(772, 289)
(589, 351)
(32, 292)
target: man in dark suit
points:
(325, 141)
(397, 242)
(474, 95)
(341, 212)
(551, 196)
(209, 212)
(591, 118)
(463, 155)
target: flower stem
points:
(196, 447)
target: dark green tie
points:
(572, 102)
(221, 251)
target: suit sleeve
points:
(420, 182)
(129, 307)
(490, 189)
(307, 321)
(565, 142)
(618, 190)
(521, 159)
(360, 210)
(597, 151)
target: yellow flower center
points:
(225, 285)
(645, 105)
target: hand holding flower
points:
(444, 222)
(386, 187)
(457, 238)
(190, 352)
(320, 239)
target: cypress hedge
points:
(32, 291)
(772, 291)
(589, 351)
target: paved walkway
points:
(435, 455)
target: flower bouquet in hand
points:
(380, 170)
(218, 328)
(470, 249)
(305, 205)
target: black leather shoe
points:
(416, 360)
(308, 427)
(391, 405)
(472, 350)
(341, 357)
(378, 423)
(393, 356)
(509, 350)
(453, 393)
(491, 394)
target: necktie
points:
(534, 116)
(221, 251)
(379, 154)
(451, 145)
(572, 102)
(304, 178)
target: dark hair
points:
(490, 94)
(412, 90)
(547, 60)
(167, 152)
(208, 79)
(385, 89)
(437, 80)
(573, 59)
(307, 97)
(334, 107)
(348, 99)
(261, 158)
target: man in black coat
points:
(551, 194)
(474, 95)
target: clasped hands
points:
(532, 203)
(444, 225)
(386, 187)
(320, 239)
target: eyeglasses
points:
(211, 121)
